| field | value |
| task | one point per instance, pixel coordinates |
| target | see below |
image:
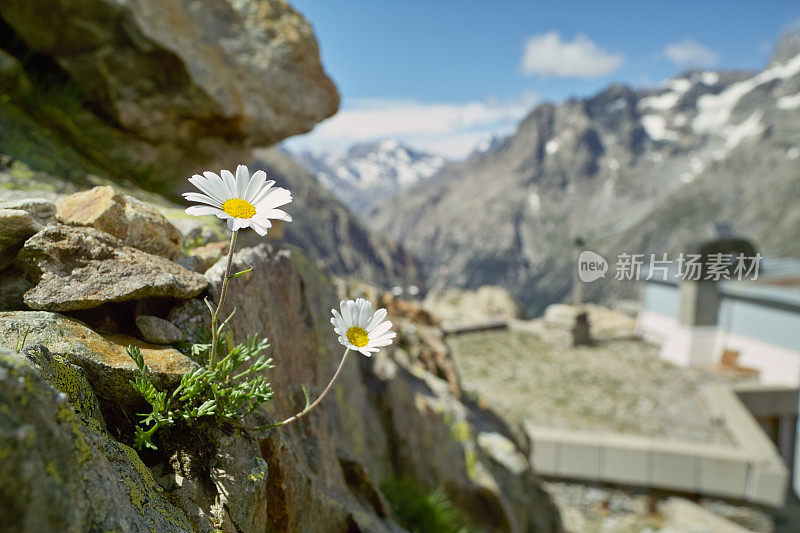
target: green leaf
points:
(241, 273)
(208, 304)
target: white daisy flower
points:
(359, 329)
(244, 201)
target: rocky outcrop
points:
(61, 471)
(132, 221)
(43, 211)
(368, 418)
(81, 268)
(386, 419)
(15, 226)
(102, 356)
(184, 80)
(484, 305)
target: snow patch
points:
(747, 128)
(675, 89)
(715, 109)
(789, 102)
(709, 78)
(656, 128)
(552, 146)
(680, 85)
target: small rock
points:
(134, 222)
(206, 256)
(193, 319)
(108, 367)
(43, 211)
(16, 225)
(82, 268)
(157, 330)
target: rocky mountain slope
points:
(350, 465)
(366, 173)
(133, 102)
(626, 170)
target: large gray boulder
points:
(82, 268)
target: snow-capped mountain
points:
(643, 170)
(366, 173)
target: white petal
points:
(262, 220)
(276, 197)
(364, 351)
(364, 312)
(275, 214)
(255, 185)
(259, 228)
(337, 320)
(343, 322)
(210, 187)
(201, 210)
(352, 314)
(262, 192)
(377, 318)
(230, 183)
(385, 340)
(220, 190)
(242, 180)
(380, 329)
(202, 198)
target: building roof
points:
(778, 283)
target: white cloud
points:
(689, 53)
(547, 55)
(448, 129)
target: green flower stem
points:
(212, 361)
(309, 407)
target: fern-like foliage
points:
(223, 394)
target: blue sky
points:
(443, 74)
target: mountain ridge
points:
(617, 168)
(367, 172)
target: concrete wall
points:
(751, 469)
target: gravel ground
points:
(615, 385)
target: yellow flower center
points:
(239, 208)
(357, 336)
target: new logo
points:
(591, 266)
